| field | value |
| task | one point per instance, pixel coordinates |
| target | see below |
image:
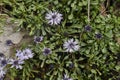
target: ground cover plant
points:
(71, 40)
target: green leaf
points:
(72, 5)
(117, 68)
(104, 50)
(42, 64)
(82, 66)
(93, 71)
(70, 16)
(49, 61)
(37, 79)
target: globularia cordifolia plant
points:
(71, 40)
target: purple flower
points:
(3, 62)
(28, 53)
(66, 77)
(9, 42)
(16, 63)
(2, 73)
(87, 28)
(25, 54)
(2, 55)
(54, 18)
(19, 54)
(38, 39)
(71, 45)
(71, 65)
(1, 78)
(47, 51)
(51, 66)
(98, 36)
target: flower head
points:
(38, 39)
(9, 42)
(54, 18)
(17, 63)
(2, 73)
(51, 66)
(3, 62)
(28, 53)
(87, 28)
(25, 54)
(66, 77)
(19, 54)
(71, 45)
(1, 78)
(2, 55)
(98, 36)
(71, 65)
(47, 51)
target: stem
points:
(88, 11)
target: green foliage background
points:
(97, 59)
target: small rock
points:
(9, 34)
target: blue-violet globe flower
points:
(71, 45)
(54, 18)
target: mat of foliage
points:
(98, 56)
